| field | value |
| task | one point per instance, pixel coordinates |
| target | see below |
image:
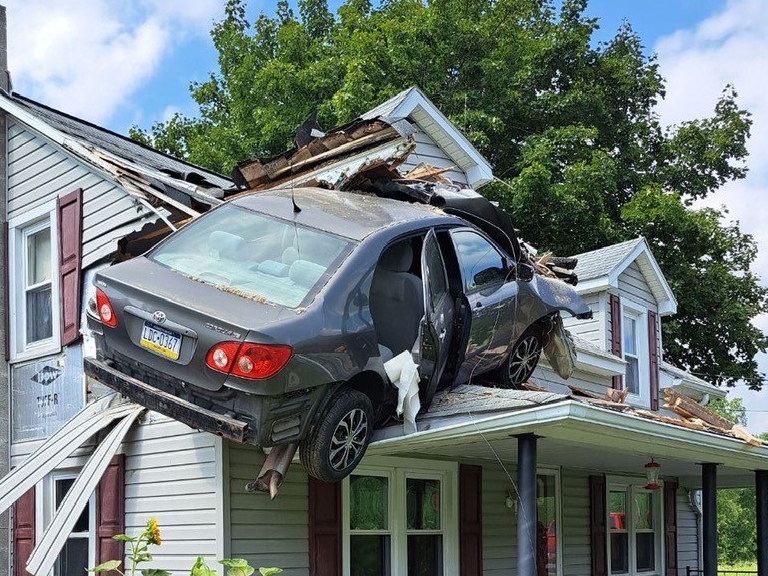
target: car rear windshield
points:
(253, 255)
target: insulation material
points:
(403, 372)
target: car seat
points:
(396, 300)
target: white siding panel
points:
(589, 330)
(633, 284)
(268, 532)
(687, 533)
(575, 532)
(170, 475)
(38, 172)
(428, 152)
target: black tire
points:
(522, 360)
(337, 442)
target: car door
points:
(491, 297)
(437, 326)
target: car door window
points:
(481, 264)
(438, 282)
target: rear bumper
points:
(168, 404)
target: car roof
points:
(352, 214)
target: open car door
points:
(437, 325)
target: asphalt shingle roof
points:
(121, 146)
(602, 261)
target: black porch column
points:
(761, 515)
(526, 509)
(709, 508)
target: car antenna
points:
(296, 208)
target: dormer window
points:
(629, 332)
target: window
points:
(481, 264)
(34, 312)
(629, 333)
(401, 520)
(633, 519)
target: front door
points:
(437, 327)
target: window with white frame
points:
(401, 520)
(79, 550)
(634, 518)
(630, 347)
(34, 285)
(634, 334)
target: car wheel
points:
(522, 359)
(337, 442)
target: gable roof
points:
(413, 104)
(600, 269)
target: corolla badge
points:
(159, 317)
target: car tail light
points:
(105, 310)
(248, 360)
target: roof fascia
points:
(479, 172)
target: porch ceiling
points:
(578, 436)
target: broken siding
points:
(589, 330)
(687, 533)
(263, 531)
(544, 376)
(428, 152)
(170, 474)
(574, 503)
(633, 285)
(39, 172)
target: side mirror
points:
(525, 272)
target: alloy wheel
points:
(349, 439)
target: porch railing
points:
(696, 572)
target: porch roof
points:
(478, 423)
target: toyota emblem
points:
(159, 316)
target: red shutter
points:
(670, 527)
(653, 355)
(598, 518)
(110, 512)
(324, 528)
(615, 305)
(23, 531)
(6, 294)
(69, 209)
(470, 520)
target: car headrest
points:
(397, 258)
(305, 273)
(226, 245)
(290, 255)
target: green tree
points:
(568, 125)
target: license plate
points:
(160, 340)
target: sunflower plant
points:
(139, 554)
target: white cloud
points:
(729, 48)
(87, 57)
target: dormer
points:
(628, 294)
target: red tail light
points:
(247, 360)
(105, 310)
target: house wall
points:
(4, 390)
(267, 532)
(687, 533)
(38, 172)
(633, 285)
(428, 152)
(591, 330)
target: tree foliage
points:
(568, 125)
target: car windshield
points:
(253, 255)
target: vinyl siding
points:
(633, 285)
(39, 172)
(575, 516)
(428, 152)
(499, 522)
(589, 330)
(687, 533)
(170, 474)
(263, 531)
(545, 377)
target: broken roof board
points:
(600, 269)
(412, 103)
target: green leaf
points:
(200, 568)
(269, 571)
(155, 572)
(234, 562)
(123, 538)
(105, 566)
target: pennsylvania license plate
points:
(160, 340)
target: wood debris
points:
(616, 395)
(688, 408)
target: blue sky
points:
(119, 63)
